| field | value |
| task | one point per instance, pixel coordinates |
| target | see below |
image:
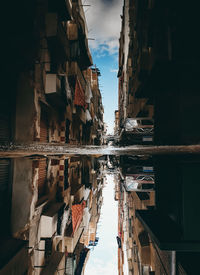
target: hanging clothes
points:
(68, 89)
(119, 241)
(88, 116)
(77, 214)
(79, 98)
(92, 110)
(88, 93)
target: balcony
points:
(56, 264)
(71, 242)
(79, 48)
(72, 30)
(48, 221)
(62, 7)
(144, 248)
(57, 38)
(39, 257)
(56, 90)
(74, 70)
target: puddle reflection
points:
(52, 209)
(55, 219)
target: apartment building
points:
(48, 99)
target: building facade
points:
(158, 67)
(50, 205)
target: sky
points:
(103, 259)
(104, 24)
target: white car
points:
(139, 183)
(137, 131)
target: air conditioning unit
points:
(48, 220)
(72, 30)
(48, 225)
(52, 84)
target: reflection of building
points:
(136, 244)
(173, 225)
(97, 110)
(116, 128)
(157, 78)
(119, 196)
(160, 229)
(53, 214)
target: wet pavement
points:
(45, 149)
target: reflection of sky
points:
(103, 259)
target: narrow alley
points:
(100, 138)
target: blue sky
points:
(104, 24)
(108, 85)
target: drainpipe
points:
(173, 262)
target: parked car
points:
(137, 131)
(139, 182)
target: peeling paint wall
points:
(22, 195)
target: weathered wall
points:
(22, 194)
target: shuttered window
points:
(4, 174)
(4, 128)
(4, 196)
(66, 175)
(44, 127)
(67, 131)
(42, 178)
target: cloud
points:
(104, 24)
(101, 267)
(113, 70)
(103, 259)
